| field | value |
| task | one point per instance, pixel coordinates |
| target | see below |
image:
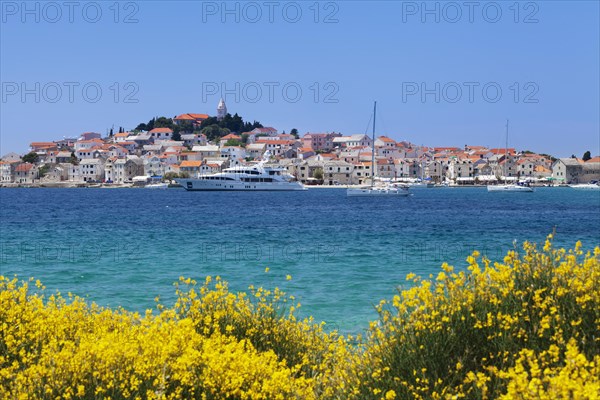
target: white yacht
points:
(159, 185)
(259, 177)
(586, 186)
(508, 187)
(381, 189)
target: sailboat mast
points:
(373, 148)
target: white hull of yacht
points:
(237, 186)
(509, 188)
(585, 186)
(421, 185)
(160, 186)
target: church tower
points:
(221, 110)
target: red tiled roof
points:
(199, 116)
(43, 144)
(23, 167)
(190, 164)
(161, 130)
(502, 151)
(96, 140)
(191, 117)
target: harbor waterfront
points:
(125, 247)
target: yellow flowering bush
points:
(527, 327)
(530, 322)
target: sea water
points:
(124, 247)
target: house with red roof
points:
(384, 141)
(319, 141)
(26, 173)
(161, 134)
(305, 152)
(231, 136)
(121, 137)
(280, 147)
(43, 148)
(267, 130)
(88, 144)
(194, 119)
(192, 168)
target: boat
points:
(420, 184)
(383, 189)
(158, 185)
(586, 186)
(258, 177)
(508, 187)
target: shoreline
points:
(75, 185)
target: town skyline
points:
(219, 113)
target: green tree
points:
(233, 142)
(176, 136)
(294, 132)
(169, 176)
(31, 157)
(43, 170)
(214, 132)
(318, 174)
(186, 127)
(74, 159)
(163, 122)
(245, 137)
(586, 156)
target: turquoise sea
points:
(124, 247)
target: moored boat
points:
(508, 187)
(384, 189)
(258, 177)
(586, 186)
(159, 185)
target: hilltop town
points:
(182, 150)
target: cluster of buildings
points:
(315, 158)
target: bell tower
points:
(221, 110)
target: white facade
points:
(92, 170)
(7, 172)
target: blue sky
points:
(444, 73)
